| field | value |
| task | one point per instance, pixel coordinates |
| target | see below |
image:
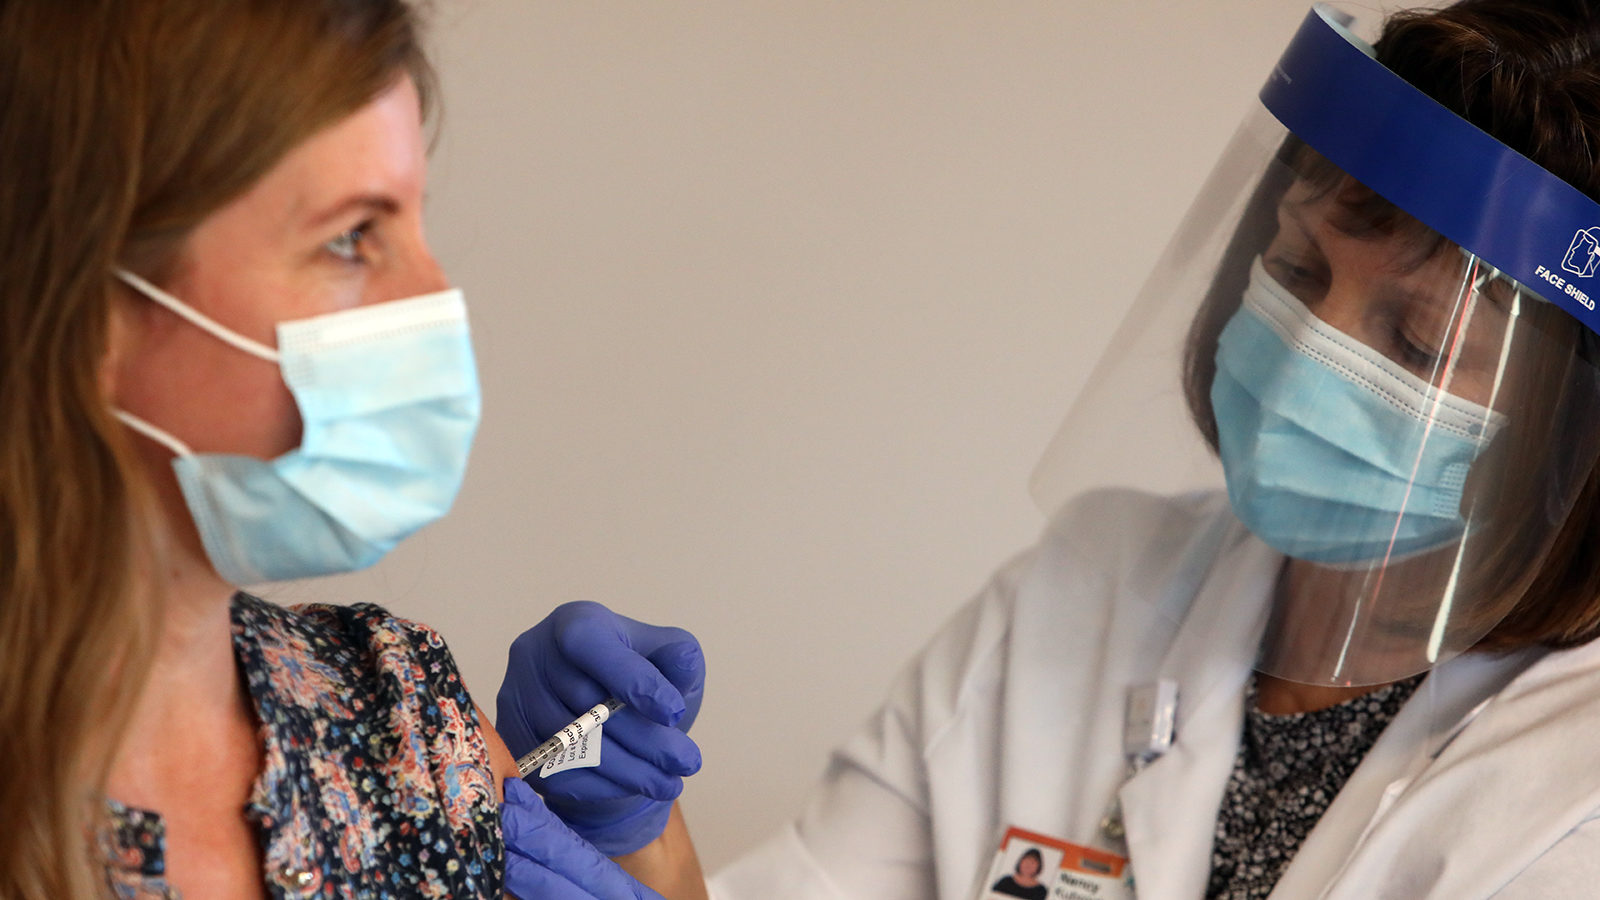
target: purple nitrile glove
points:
(546, 861)
(581, 654)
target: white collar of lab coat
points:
(1443, 805)
(1170, 808)
(1522, 774)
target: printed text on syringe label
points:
(579, 750)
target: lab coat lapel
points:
(1520, 775)
(1442, 705)
(1170, 808)
(1128, 607)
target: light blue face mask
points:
(388, 399)
(1332, 452)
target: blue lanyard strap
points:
(1438, 167)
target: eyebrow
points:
(375, 203)
(1500, 304)
(1391, 292)
(1292, 210)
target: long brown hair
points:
(1528, 73)
(123, 123)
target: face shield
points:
(1373, 331)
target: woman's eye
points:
(1298, 274)
(1294, 273)
(1413, 354)
(347, 246)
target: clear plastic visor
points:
(1388, 412)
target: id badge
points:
(1033, 866)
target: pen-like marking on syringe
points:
(567, 737)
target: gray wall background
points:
(776, 304)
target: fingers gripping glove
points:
(546, 861)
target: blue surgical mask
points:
(1332, 452)
(388, 399)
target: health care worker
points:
(1362, 667)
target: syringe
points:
(567, 737)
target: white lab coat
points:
(1486, 784)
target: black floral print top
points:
(376, 781)
(1288, 771)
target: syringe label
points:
(578, 751)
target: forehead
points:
(1364, 225)
(1353, 228)
(377, 150)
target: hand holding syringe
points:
(580, 654)
(567, 737)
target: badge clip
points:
(1150, 719)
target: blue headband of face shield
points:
(1330, 92)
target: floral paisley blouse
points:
(376, 780)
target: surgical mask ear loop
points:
(198, 319)
(178, 447)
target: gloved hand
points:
(546, 861)
(581, 654)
